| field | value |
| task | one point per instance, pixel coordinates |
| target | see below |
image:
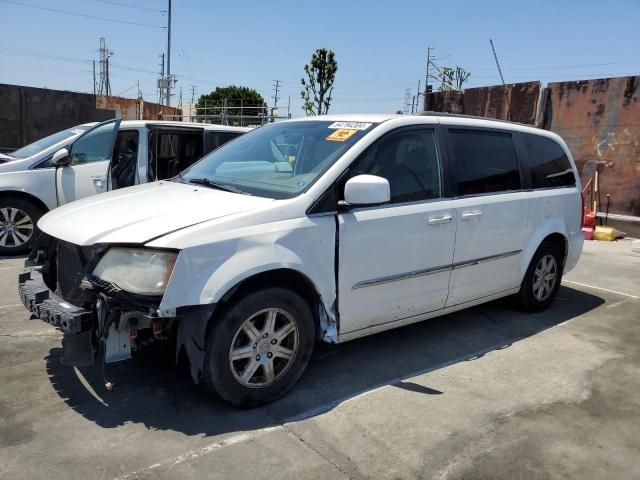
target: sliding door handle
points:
(440, 219)
(471, 215)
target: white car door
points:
(491, 212)
(89, 157)
(394, 260)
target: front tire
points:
(18, 225)
(259, 347)
(542, 279)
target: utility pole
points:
(193, 96)
(169, 79)
(94, 78)
(507, 94)
(407, 99)
(274, 110)
(289, 107)
(417, 98)
(161, 80)
(426, 80)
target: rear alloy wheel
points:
(17, 226)
(542, 279)
(259, 347)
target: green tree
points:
(224, 105)
(318, 86)
(452, 78)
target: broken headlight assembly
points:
(137, 270)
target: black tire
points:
(218, 375)
(527, 297)
(14, 245)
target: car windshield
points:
(46, 142)
(279, 160)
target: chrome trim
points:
(476, 261)
(401, 276)
(429, 271)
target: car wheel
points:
(542, 279)
(259, 347)
(18, 219)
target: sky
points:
(380, 47)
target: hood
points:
(141, 213)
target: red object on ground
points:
(589, 219)
(588, 233)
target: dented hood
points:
(141, 213)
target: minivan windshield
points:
(50, 141)
(279, 160)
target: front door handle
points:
(440, 219)
(471, 215)
(98, 181)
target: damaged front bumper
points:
(110, 322)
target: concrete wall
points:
(599, 120)
(28, 114)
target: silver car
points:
(90, 159)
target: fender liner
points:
(192, 324)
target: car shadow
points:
(152, 391)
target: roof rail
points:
(462, 115)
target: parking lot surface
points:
(489, 392)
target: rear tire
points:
(542, 279)
(18, 225)
(259, 347)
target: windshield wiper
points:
(210, 183)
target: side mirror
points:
(366, 190)
(61, 158)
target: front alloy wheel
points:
(258, 347)
(16, 228)
(264, 347)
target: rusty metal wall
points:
(600, 121)
(125, 108)
(491, 102)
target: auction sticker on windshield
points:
(350, 125)
(341, 135)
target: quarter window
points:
(548, 162)
(408, 160)
(485, 161)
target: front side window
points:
(485, 161)
(94, 146)
(408, 160)
(280, 160)
(548, 162)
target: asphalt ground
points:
(490, 392)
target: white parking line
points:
(600, 288)
(193, 454)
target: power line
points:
(94, 17)
(132, 6)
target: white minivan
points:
(90, 159)
(324, 228)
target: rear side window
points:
(485, 161)
(549, 164)
(217, 139)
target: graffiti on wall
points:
(611, 142)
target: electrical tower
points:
(104, 84)
(408, 101)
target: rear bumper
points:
(50, 308)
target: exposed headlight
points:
(137, 270)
